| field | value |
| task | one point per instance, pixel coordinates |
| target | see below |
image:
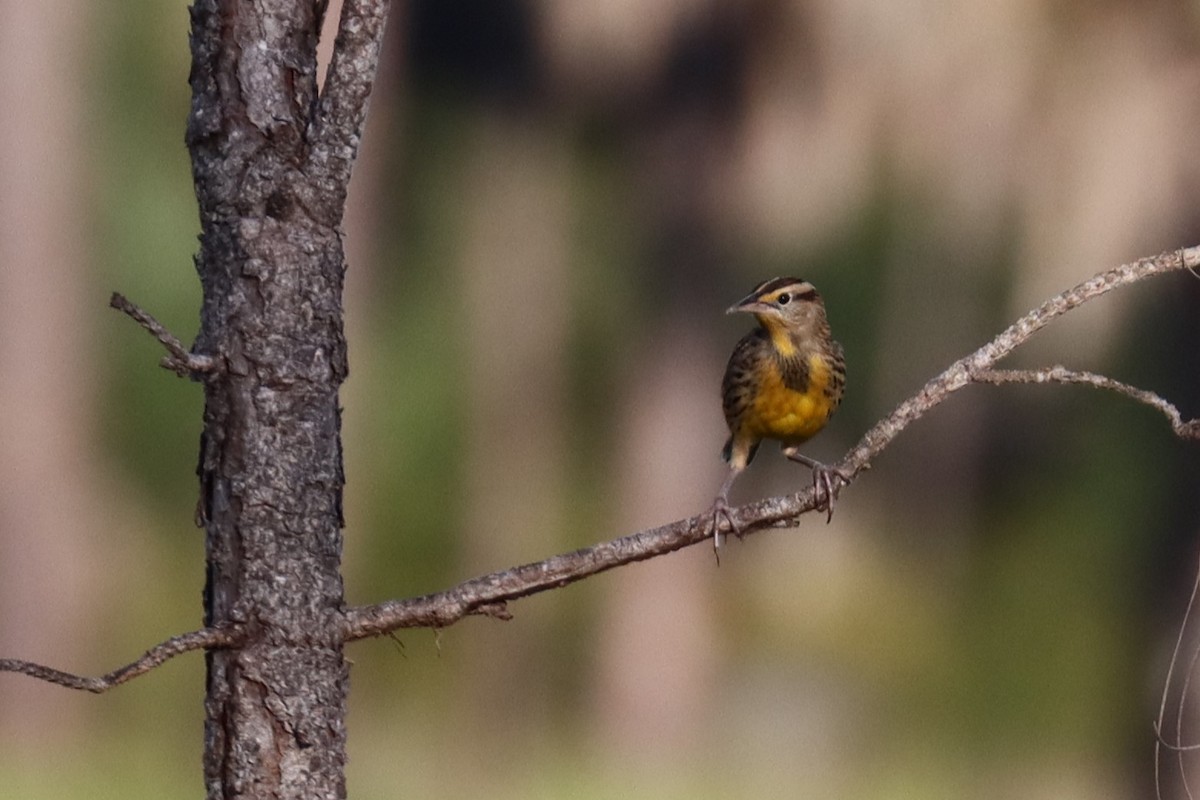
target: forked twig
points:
(1184, 429)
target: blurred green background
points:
(554, 204)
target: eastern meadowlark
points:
(784, 381)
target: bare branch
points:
(180, 361)
(489, 594)
(485, 594)
(961, 372)
(1185, 429)
(206, 638)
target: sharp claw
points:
(827, 481)
(721, 509)
(829, 496)
(826, 489)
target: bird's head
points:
(791, 302)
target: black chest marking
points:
(794, 370)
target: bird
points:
(784, 381)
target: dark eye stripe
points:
(776, 289)
(775, 284)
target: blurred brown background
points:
(555, 202)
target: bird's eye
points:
(784, 299)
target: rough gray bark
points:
(271, 165)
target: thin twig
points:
(180, 361)
(205, 638)
(493, 590)
(959, 374)
(1185, 429)
(1176, 747)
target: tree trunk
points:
(271, 264)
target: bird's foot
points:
(720, 508)
(827, 482)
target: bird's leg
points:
(720, 508)
(827, 481)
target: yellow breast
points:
(782, 413)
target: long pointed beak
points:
(748, 305)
